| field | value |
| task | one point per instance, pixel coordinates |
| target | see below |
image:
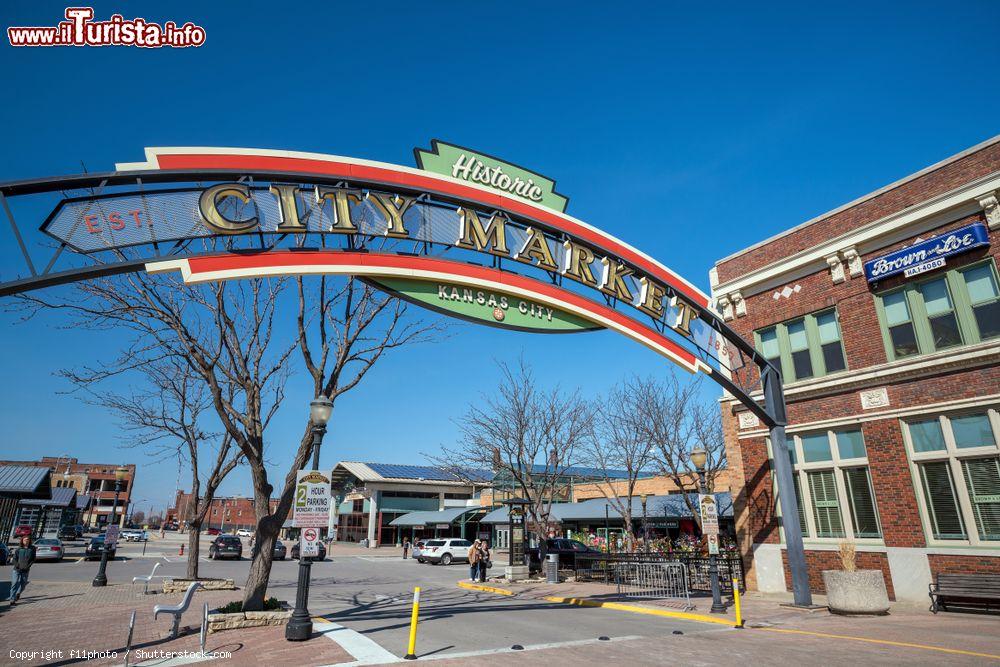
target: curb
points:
(488, 589)
(617, 606)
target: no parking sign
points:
(309, 544)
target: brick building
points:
(884, 317)
(228, 514)
(93, 481)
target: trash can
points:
(552, 568)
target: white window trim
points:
(800, 471)
(954, 456)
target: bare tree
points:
(621, 444)
(528, 436)
(167, 420)
(677, 422)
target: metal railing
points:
(657, 581)
(602, 568)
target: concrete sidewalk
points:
(973, 635)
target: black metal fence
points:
(602, 568)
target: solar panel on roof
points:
(432, 473)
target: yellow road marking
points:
(883, 641)
(488, 589)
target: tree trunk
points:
(194, 547)
(255, 588)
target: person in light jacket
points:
(21, 561)
(474, 560)
(483, 561)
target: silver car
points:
(49, 548)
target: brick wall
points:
(817, 561)
(948, 177)
(891, 479)
(964, 564)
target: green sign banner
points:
(475, 167)
(486, 306)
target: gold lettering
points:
(536, 247)
(288, 207)
(614, 279)
(208, 203)
(578, 263)
(341, 198)
(472, 235)
(685, 313)
(651, 300)
(392, 212)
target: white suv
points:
(244, 532)
(446, 551)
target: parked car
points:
(22, 531)
(280, 550)
(445, 551)
(415, 552)
(48, 548)
(226, 546)
(134, 535)
(567, 550)
(67, 533)
(96, 547)
(244, 532)
(212, 531)
(4, 554)
(321, 556)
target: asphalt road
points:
(372, 595)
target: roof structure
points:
(61, 497)
(25, 481)
(429, 518)
(596, 474)
(412, 474)
(670, 506)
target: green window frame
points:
(958, 307)
(804, 347)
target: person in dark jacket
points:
(21, 561)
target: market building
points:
(884, 318)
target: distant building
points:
(227, 513)
(95, 481)
(654, 485)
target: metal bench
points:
(965, 590)
(146, 579)
(176, 609)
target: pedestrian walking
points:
(406, 547)
(485, 560)
(474, 561)
(21, 562)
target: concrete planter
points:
(181, 585)
(858, 592)
(249, 619)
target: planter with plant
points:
(854, 591)
(231, 616)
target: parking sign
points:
(309, 544)
(312, 499)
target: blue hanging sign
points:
(927, 255)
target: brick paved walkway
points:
(77, 617)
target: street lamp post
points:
(300, 625)
(645, 529)
(102, 578)
(699, 457)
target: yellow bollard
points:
(411, 654)
(736, 601)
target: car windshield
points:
(47, 542)
(229, 541)
(435, 543)
(99, 538)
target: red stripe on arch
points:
(409, 179)
(278, 259)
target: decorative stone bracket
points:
(991, 206)
(836, 268)
(731, 305)
(855, 266)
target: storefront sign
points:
(927, 255)
(466, 165)
(709, 514)
(486, 306)
(312, 499)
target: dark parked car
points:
(226, 546)
(67, 533)
(321, 556)
(4, 554)
(96, 546)
(280, 550)
(567, 550)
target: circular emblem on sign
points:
(498, 314)
(310, 534)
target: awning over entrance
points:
(431, 518)
(61, 497)
(596, 509)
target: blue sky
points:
(688, 133)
